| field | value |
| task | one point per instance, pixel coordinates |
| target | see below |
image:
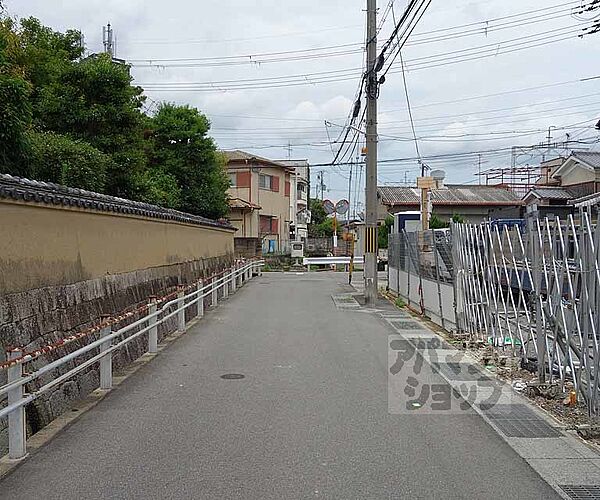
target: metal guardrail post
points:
(215, 295)
(16, 418)
(234, 277)
(153, 332)
(200, 303)
(249, 273)
(181, 310)
(226, 285)
(260, 269)
(106, 361)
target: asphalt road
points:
(309, 420)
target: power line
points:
(316, 78)
(431, 104)
(467, 153)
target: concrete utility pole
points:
(371, 181)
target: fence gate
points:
(536, 289)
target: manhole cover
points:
(581, 492)
(233, 376)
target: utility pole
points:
(107, 39)
(371, 288)
(320, 186)
(479, 167)
(349, 195)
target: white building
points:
(299, 196)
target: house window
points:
(232, 180)
(265, 181)
(269, 225)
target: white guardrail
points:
(342, 260)
(14, 390)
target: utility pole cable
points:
(371, 288)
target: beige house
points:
(580, 172)
(259, 202)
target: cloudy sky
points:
(482, 76)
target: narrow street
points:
(309, 420)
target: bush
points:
(60, 159)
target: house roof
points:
(451, 194)
(549, 193)
(587, 159)
(294, 163)
(239, 203)
(586, 201)
(238, 156)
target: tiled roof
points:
(590, 158)
(550, 193)
(449, 195)
(241, 156)
(17, 188)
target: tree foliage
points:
(15, 113)
(318, 217)
(79, 121)
(384, 231)
(182, 148)
(75, 163)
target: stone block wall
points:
(39, 317)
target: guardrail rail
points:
(13, 392)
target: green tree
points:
(93, 100)
(15, 115)
(384, 231)
(158, 187)
(56, 158)
(318, 218)
(45, 55)
(15, 108)
(182, 149)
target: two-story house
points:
(564, 183)
(259, 204)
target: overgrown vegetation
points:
(384, 231)
(322, 224)
(436, 223)
(78, 121)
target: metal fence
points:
(13, 395)
(535, 288)
(421, 270)
(529, 288)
